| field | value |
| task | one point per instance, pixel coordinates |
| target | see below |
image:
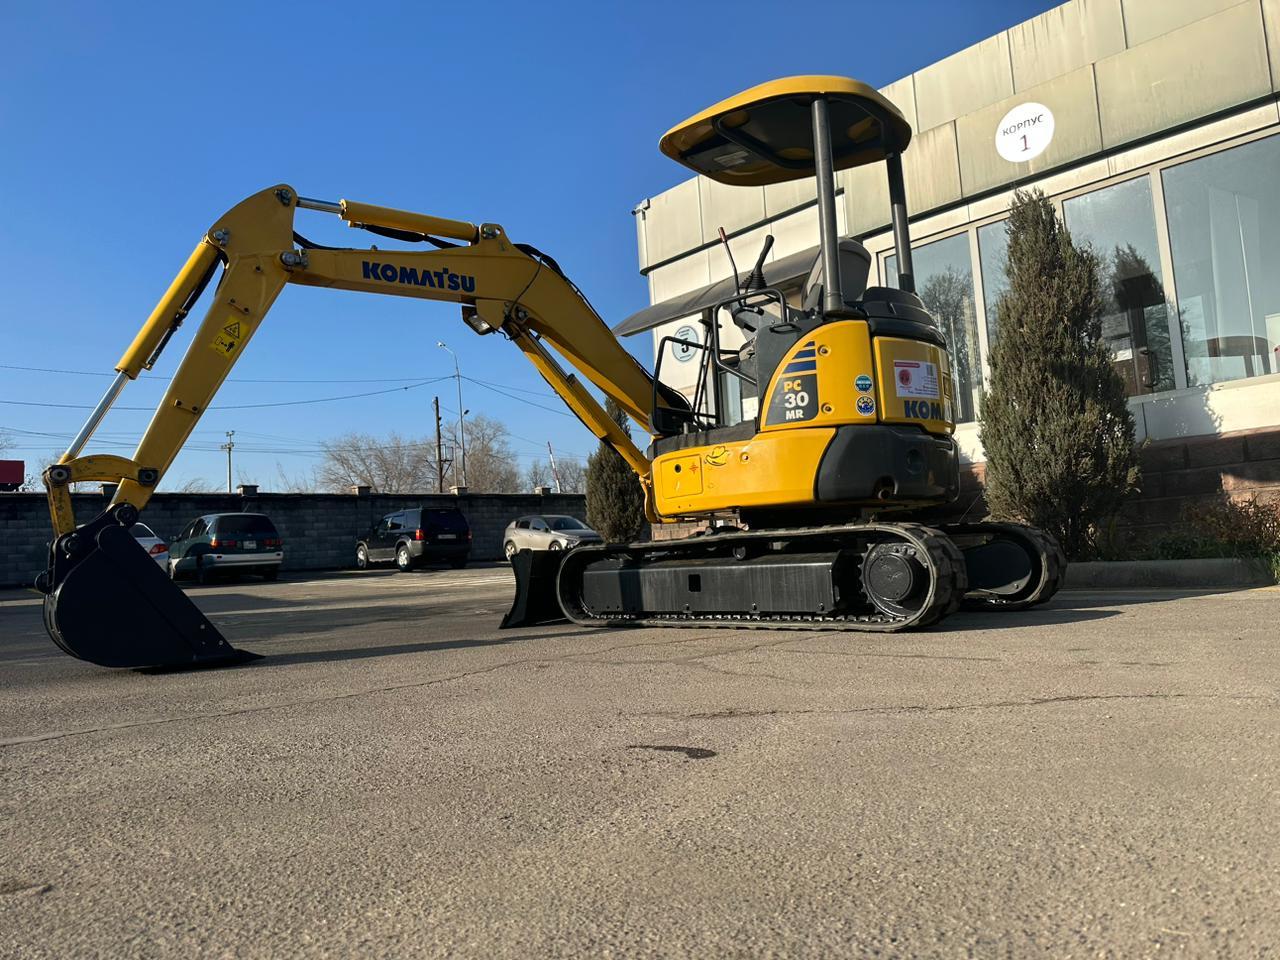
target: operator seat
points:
(855, 267)
(765, 347)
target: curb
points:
(1203, 573)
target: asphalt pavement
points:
(399, 778)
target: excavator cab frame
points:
(761, 137)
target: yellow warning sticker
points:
(227, 340)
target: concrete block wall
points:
(1243, 464)
(319, 530)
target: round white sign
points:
(683, 351)
(1024, 132)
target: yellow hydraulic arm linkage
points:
(104, 605)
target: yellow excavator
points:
(815, 500)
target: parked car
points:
(414, 537)
(227, 543)
(149, 542)
(547, 533)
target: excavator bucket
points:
(108, 602)
(535, 601)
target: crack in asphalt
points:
(600, 657)
(282, 705)
(853, 654)
(734, 714)
(372, 691)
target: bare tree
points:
(6, 442)
(195, 485)
(573, 475)
(297, 483)
(538, 474)
(393, 464)
(491, 466)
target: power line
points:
(156, 376)
(235, 406)
(509, 396)
(316, 450)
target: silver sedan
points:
(546, 532)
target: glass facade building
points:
(1221, 213)
(1171, 175)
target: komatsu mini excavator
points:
(853, 436)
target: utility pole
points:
(462, 430)
(554, 472)
(229, 446)
(435, 402)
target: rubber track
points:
(945, 561)
(1052, 562)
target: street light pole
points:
(462, 429)
(229, 446)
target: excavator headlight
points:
(473, 320)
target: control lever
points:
(749, 318)
(755, 280)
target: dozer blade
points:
(116, 608)
(535, 601)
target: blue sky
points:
(128, 128)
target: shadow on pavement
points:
(394, 649)
(211, 602)
(1085, 599)
(1035, 617)
(366, 653)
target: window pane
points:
(944, 281)
(993, 254)
(1119, 223)
(245, 523)
(1224, 227)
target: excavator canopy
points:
(765, 134)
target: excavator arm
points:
(501, 286)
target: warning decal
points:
(916, 378)
(227, 340)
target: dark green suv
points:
(414, 537)
(227, 543)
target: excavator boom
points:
(97, 602)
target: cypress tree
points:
(615, 501)
(1056, 426)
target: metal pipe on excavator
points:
(832, 297)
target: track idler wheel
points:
(894, 579)
(1011, 566)
(108, 602)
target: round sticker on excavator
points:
(866, 406)
(863, 383)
